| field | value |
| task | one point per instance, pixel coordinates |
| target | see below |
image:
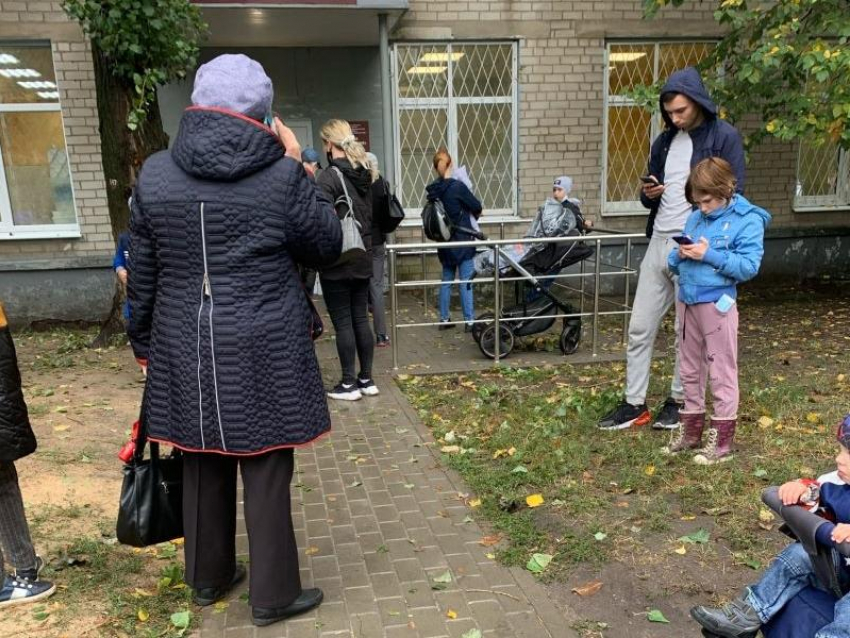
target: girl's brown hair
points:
(712, 176)
(442, 160)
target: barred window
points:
(36, 198)
(823, 177)
(462, 97)
(629, 128)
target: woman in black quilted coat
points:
(219, 225)
(345, 286)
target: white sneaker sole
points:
(371, 391)
(701, 459)
(346, 396)
(29, 599)
(620, 426)
(665, 426)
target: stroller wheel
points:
(487, 342)
(478, 328)
(570, 337)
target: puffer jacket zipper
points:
(207, 294)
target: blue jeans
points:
(791, 572)
(465, 271)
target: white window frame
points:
(839, 201)
(450, 104)
(8, 229)
(630, 208)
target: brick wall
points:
(561, 56)
(75, 76)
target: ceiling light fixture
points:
(37, 84)
(49, 95)
(440, 57)
(626, 56)
(7, 58)
(20, 73)
(426, 70)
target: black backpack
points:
(437, 224)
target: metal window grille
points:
(629, 128)
(823, 177)
(462, 97)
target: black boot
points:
(309, 599)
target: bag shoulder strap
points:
(348, 201)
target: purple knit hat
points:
(843, 435)
(234, 82)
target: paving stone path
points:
(377, 519)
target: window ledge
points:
(412, 221)
(823, 208)
(12, 235)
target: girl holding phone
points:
(728, 252)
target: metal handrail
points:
(425, 247)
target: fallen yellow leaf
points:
(511, 451)
(475, 502)
(765, 515)
(689, 518)
(649, 470)
(534, 500)
(765, 422)
(491, 556)
(143, 615)
(451, 613)
(813, 417)
(682, 550)
(312, 550)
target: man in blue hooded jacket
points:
(693, 132)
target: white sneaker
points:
(367, 387)
(345, 392)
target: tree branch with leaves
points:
(787, 61)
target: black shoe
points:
(469, 327)
(309, 599)
(345, 392)
(668, 416)
(737, 619)
(382, 341)
(445, 325)
(208, 595)
(625, 416)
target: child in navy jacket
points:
(792, 570)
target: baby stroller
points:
(812, 609)
(534, 262)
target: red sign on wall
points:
(360, 128)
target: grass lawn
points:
(612, 499)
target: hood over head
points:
(359, 177)
(688, 82)
(740, 205)
(438, 187)
(236, 83)
(222, 145)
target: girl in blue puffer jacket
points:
(726, 235)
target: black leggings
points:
(347, 303)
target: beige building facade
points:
(519, 91)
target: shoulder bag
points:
(352, 241)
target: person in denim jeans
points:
(461, 207)
(792, 571)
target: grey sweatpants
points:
(14, 531)
(376, 290)
(657, 289)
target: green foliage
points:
(148, 42)
(787, 61)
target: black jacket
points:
(461, 205)
(16, 437)
(218, 226)
(358, 181)
(380, 207)
(713, 138)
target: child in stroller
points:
(559, 216)
(805, 593)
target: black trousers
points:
(209, 521)
(347, 301)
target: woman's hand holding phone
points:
(288, 139)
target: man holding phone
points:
(693, 132)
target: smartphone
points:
(683, 240)
(650, 179)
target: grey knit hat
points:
(234, 82)
(563, 182)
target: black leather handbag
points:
(151, 507)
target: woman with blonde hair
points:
(345, 285)
(380, 210)
(461, 206)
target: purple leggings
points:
(708, 350)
